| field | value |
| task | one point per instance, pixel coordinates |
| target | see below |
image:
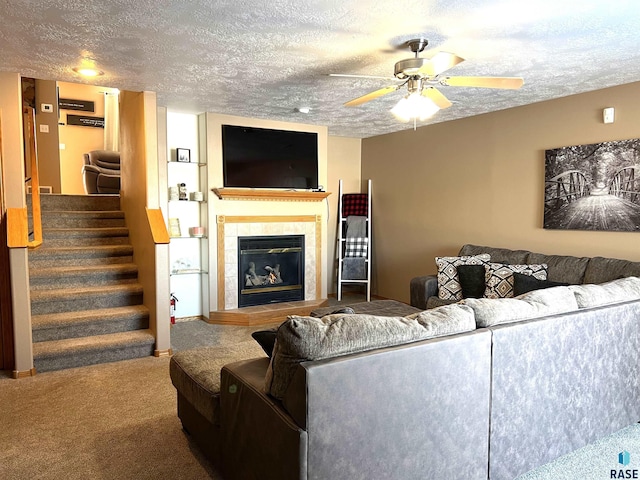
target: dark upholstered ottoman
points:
(196, 376)
(382, 308)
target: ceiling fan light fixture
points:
(414, 107)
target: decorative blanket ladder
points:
(354, 239)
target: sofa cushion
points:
(195, 374)
(562, 268)
(472, 280)
(615, 291)
(601, 270)
(448, 282)
(499, 278)
(539, 303)
(498, 255)
(303, 339)
(527, 283)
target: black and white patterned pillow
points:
(499, 277)
(448, 282)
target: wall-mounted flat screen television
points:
(268, 158)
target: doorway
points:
(72, 119)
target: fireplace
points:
(270, 269)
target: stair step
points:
(66, 256)
(86, 323)
(77, 276)
(63, 237)
(82, 219)
(77, 202)
(78, 352)
(86, 298)
(86, 302)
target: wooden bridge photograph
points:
(593, 187)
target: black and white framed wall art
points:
(183, 155)
(593, 187)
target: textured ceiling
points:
(266, 59)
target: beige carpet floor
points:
(111, 421)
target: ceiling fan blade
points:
(512, 83)
(436, 97)
(440, 62)
(359, 76)
(371, 96)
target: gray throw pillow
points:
(301, 339)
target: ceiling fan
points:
(421, 75)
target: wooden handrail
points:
(158, 227)
(17, 228)
(29, 125)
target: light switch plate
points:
(46, 107)
(608, 115)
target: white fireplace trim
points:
(229, 228)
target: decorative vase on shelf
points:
(196, 231)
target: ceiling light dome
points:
(88, 71)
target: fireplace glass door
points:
(270, 269)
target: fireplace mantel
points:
(269, 194)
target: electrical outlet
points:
(44, 128)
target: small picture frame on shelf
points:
(174, 227)
(183, 155)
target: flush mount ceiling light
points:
(303, 109)
(88, 71)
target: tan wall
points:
(139, 189)
(481, 180)
(343, 163)
(78, 140)
(48, 142)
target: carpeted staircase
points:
(86, 302)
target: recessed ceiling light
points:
(87, 71)
(303, 109)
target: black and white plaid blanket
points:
(356, 247)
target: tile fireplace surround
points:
(229, 228)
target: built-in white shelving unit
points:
(188, 248)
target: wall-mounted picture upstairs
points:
(593, 187)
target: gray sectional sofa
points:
(561, 268)
(481, 389)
